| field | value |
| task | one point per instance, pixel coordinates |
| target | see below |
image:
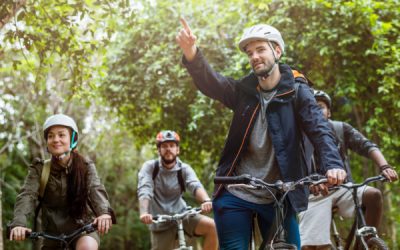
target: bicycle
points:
(65, 239)
(278, 240)
(367, 235)
(178, 218)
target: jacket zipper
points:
(240, 149)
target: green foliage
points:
(115, 66)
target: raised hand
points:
(187, 41)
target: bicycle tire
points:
(281, 246)
(376, 243)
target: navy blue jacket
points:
(242, 97)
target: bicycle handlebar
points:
(365, 182)
(88, 228)
(166, 217)
(253, 182)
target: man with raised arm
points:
(315, 222)
(264, 139)
(161, 184)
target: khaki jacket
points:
(54, 207)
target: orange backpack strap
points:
(297, 74)
(300, 77)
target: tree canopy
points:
(116, 68)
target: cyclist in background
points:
(316, 220)
(264, 139)
(161, 184)
(73, 195)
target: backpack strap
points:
(338, 127)
(306, 146)
(179, 175)
(181, 180)
(156, 169)
(44, 177)
(339, 136)
(297, 74)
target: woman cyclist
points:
(73, 195)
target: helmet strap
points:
(62, 156)
(73, 142)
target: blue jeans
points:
(234, 218)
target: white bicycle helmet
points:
(61, 120)
(261, 32)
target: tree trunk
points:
(16, 7)
(1, 223)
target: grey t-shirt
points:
(164, 192)
(259, 160)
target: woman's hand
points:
(103, 223)
(19, 233)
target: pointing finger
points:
(185, 25)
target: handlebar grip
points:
(8, 232)
(242, 179)
(155, 217)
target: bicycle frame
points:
(178, 218)
(363, 232)
(335, 234)
(278, 240)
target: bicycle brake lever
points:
(287, 186)
(383, 178)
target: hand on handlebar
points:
(336, 176)
(103, 223)
(206, 206)
(390, 174)
(319, 189)
(19, 233)
(146, 218)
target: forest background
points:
(116, 68)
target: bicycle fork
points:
(181, 237)
(336, 235)
(362, 229)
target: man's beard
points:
(265, 70)
(166, 161)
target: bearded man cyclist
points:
(264, 139)
(161, 185)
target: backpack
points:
(179, 175)
(306, 146)
(339, 131)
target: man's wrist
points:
(206, 200)
(384, 167)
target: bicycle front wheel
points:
(376, 243)
(280, 246)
